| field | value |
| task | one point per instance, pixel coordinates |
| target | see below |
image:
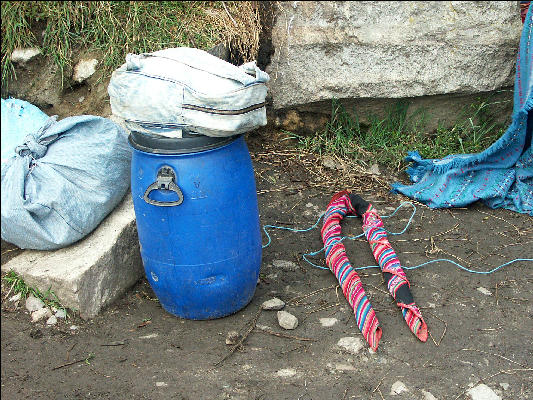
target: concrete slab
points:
(91, 273)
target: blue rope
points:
(314, 253)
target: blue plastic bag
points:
(19, 118)
(64, 179)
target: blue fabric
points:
(502, 175)
(64, 179)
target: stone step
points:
(91, 273)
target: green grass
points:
(114, 28)
(387, 140)
(16, 284)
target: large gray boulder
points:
(371, 53)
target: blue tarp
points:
(502, 175)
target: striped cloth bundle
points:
(336, 259)
(397, 282)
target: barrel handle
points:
(165, 181)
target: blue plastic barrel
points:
(198, 222)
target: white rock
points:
(482, 392)
(486, 292)
(273, 304)
(74, 328)
(52, 320)
(232, 337)
(327, 322)
(84, 69)
(161, 384)
(61, 313)
(287, 320)
(344, 367)
(15, 298)
(329, 162)
(151, 336)
(284, 264)
(80, 100)
(33, 303)
(24, 55)
(398, 387)
(286, 373)
(428, 396)
(351, 344)
(40, 314)
(504, 385)
(374, 170)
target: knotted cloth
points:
(342, 204)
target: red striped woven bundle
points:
(350, 282)
(348, 278)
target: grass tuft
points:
(387, 140)
(115, 28)
(16, 285)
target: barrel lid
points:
(189, 143)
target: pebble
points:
(61, 313)
(284, 264)
(398, 387)
(374, 170)
(15, 298)
(273, 304)
(40, 314)
(329, 162)
(52, 320)
(486, 292)
(73, 327)
(327, 322)
(504, 385)
(351, 344)
(151, 336)
(286, 372)
(232, 337)
(84, 69)
(428, 396)
(24, 55)
(161, 384)
(482, 392)
(33, 303)
(344, 367)
(286, 320)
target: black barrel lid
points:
(189, 143)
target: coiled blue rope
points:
(314, 253)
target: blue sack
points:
(64, 179)
(19, 118)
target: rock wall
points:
(357, 51)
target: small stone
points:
(344, 367)
(33, 303)
(151, 336)
(486, 292)
(161, 384)
(81, 99)
(431, 305)
(351, 344)
(428, 396)
(286, 372)
(482, 392)
(374, 170)
(40, 314)
(284, 264)
(273, 304)
(329, 162)
(327, 322)
(287, 320)
(61, 313)
(398, 387)
(504, 385)
(22, 56)
(84, 69)
(52, 320)
(15, 298)
(232, 337)
(73, 328)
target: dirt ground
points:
(481, 325)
